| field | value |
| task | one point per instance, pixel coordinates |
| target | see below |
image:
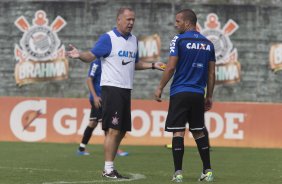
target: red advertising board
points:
(64, 120)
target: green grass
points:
(48, 163)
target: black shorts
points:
(95, 114)
(185, 107)
(116, 106)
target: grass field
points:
(48, 163)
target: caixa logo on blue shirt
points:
(128, 54)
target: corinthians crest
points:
(227, 65)
(40, 54)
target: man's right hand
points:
(158, 94)
(208, 104)
(97, 102)
(73, 52)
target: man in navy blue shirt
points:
(93, 83)
(192, 62)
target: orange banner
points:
(64, 120)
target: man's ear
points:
(119, 18)
(187, 24)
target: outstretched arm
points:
(143, 66)
(167, 75)
(86, 56)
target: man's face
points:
(125, 22)
(180, 24)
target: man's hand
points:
(160, 66)
(208, 104)
(73, 52)
(158, 94)
(97, 102)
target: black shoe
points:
(114, 175)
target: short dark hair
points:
(189, 15)
(122, 10)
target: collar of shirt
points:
(191, 31)
(118, 34)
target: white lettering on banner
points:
(148, 48)
(145, 123)
(42, 70)
(84, 122)
(227, 72)
(39, 124)
(71, 124)
(231, 126)
(98, 130)
(158, 126)
(219, 124)
(152, 123)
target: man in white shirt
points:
(118, 51)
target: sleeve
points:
(137, 54)
(212, 55)
(137, 57)
(103, 47)
(173, 47)
(92, 70)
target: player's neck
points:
(191, 28)
(122, 32)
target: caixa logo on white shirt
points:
(172, 44)
(128, 54)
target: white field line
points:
(133, 176)
(38, 169)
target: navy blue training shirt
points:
(194, 53)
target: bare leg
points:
(111, 143)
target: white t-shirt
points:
(118, 68)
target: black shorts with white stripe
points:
(185, 107)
